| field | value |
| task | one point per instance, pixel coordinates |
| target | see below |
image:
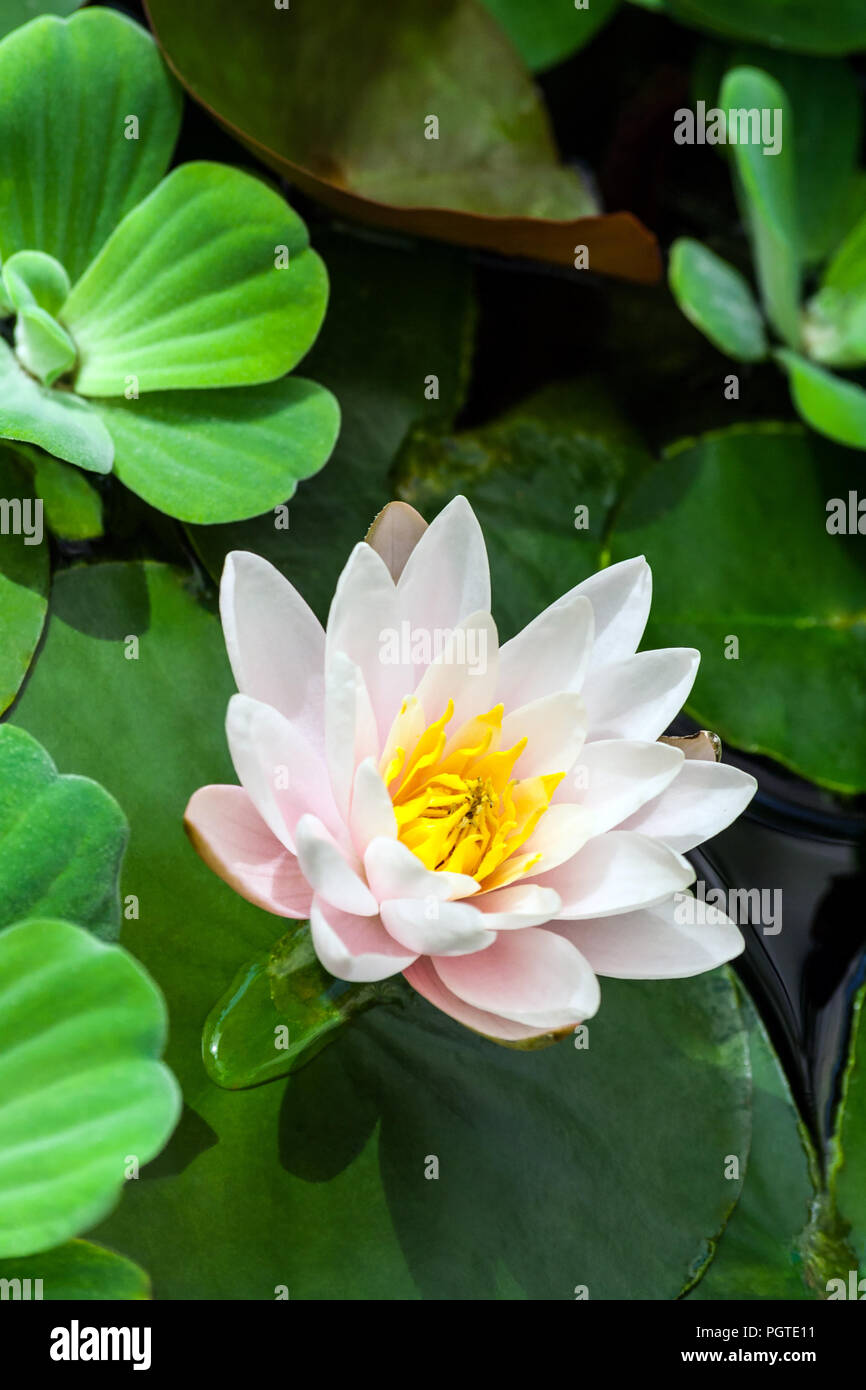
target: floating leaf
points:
(717, 299)
(740, 504)
(545, 32)
(55, 420)
(24, 580)
(769, 195)
(847, 1178)
(61, 841)
(77, 1270)
(187, 294)
(65, 143)
(346, 122)
(218, 456)
(831, 405)
(81, 1027)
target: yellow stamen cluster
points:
(456, 804)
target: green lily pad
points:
(67, 91)
(762, 1252)
(61, 841)
(831, 405)
(739, 504)
(24, 582)
(847, 1176)
(543, 481)
(487, 175)
(187, 294)
(219, 456)
(718, 300)
(81, 1027)
(55, 420)
(323, 1205)
(545, 32)
(76, 1270)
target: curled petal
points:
(233, 840)
(524, 976)
(355, 948)
(432, 928)
(329, 872)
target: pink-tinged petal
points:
(233, 840)
(555, 729)
(701, 801)
(351, 734)
(664, 942)
(282, 772)
(560, 834)
(464, 671)
(446, 577)
(423, 978)
(551, 654)
(436, 928)
(521, 905)
(617, 872)
(355, 948)
(329, 872)
(275, 643)
(638, 697)
(372, 813)
(364, 625)
(615, 777)
(620, 596)
(526, 976)
(393, 871)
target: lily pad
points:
(317, 1202)
(24, 581)
(78, 1270)
(486, 175)
(81, 1027)
(739, 504)
(61, 841)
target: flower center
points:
(457, 806)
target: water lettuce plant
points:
(803, 208)
(152, 318)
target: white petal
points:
(555, 729)
(393, 871)
(615, 777)
(527, 976)
(275, 643)
(281, 772)
(638, 697)
(562, 831)
(233, 840)
(620, 596)
(423, 978)
(701, 801)
(372, 812)
(434, 928)
(351, 734)
(652, 945)
(551, 654)
(464, 671)
(355, 948)
(521, 905)
(329, 872)
(617, 872)
(446, 577)
(362, 624)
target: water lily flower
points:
(500, 824)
